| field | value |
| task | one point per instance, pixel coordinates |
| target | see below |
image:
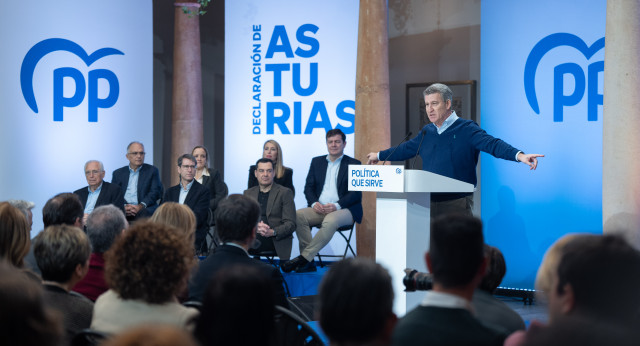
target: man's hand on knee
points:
(329, 208)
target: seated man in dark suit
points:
(99, 192)
(330, 203)
(457, 263)
(277, 212)
(236, 223)
(194, 195)
(139, 182)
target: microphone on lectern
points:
(394, 150)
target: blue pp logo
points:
(45, 47)
(560, 100)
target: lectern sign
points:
(376, 178)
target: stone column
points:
(372, 106)
(621, 121)
(186, 122)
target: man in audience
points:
(25, 207)
(492, 312)
(594, 291)
(62, 253)
(99, 192)
(24, 318)
(236, 223)
(356, 303)
(104, 225)
(62, 209)
(330, 203)
(193, 194)
(139, 182)
(277, 212)
(457, 263)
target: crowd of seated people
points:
(88, 268)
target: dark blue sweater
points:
(454, 153)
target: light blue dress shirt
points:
(131, 195)
(92, 199)
(184, 192)
(330, 189)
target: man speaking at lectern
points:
(450, 146)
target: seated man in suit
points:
(277, 212)
(194, 195)
(99, 192)
(330, 203)
(139, 182)
(236, 223)
(457, 263)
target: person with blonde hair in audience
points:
(283, 175)
(14, 235)
(24, 318)
(62, 253)
(179, 216)
(145, 269)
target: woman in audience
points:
(238, 308)
(210, 178)
(145, 269)
(284, 175)
(14, 235)
(179, 216)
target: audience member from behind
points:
(62, 209)
(179, 216)
(238, 308)
(14, 235)
(603, 306)
(283, 175)
(104, 225)
(490, 311)
(145, 268)
(209, 177)
(356, 303)
(25, 207)
(457, 263)
(152, 335)
(236, 223)
(24, 318)
(62, 253)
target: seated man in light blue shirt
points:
(140, 183)
(330, 203)
(193, 194)
(99, 192)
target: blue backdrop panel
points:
(542, 78)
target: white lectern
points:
(403, 222)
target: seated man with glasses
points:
(99, 192)
(190, 192)
(139, 182)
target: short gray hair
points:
(58, 251)
(99, 162)
(441, 89)
(104, 225)
(23, 205)
(132, 143)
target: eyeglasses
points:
(136, 153)
(188, 167)
(92, 172)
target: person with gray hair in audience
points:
(25, 207)
(62, 253)
(104, 226)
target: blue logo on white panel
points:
(42, 48)
(590, 83)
